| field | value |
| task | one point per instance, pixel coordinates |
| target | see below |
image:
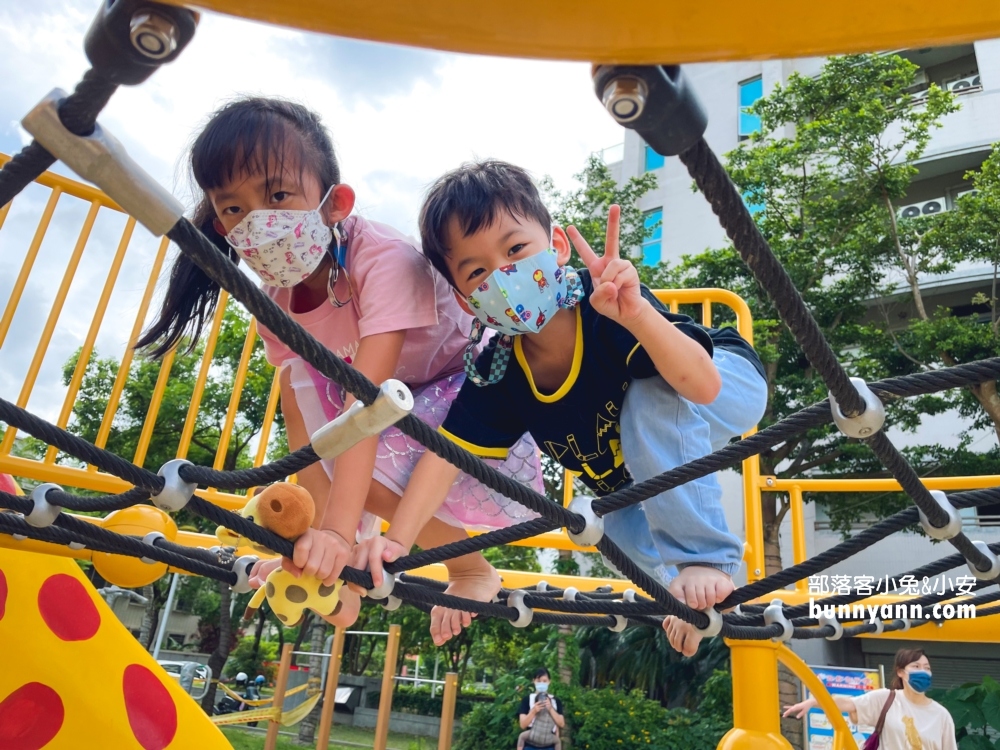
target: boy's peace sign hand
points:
(616, 283)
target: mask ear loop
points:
(339, 254)
(501, 355)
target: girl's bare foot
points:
(346, 613)
(480, 584)
(682, 635)
(701, 587)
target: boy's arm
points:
(681, 361)
(617, 295)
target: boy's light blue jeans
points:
(660, 431)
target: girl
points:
(273, 199)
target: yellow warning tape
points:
(300, 712)
(243, 717)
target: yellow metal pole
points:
(269, 411)
(706, 312)
(330, 695)
(842, 737)
(154, 408)
(879, 485)
(234, 399)
(26, 265)
(753, 519)
(756, 712)
(95, 325)
(271, 738)
(126, 363)
(797, 510)
(385, 700)
(50, 322)
(199, 385)
(448, 711)
(567, 487)
(4, 211)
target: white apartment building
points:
(972, 71)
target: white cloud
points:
(400, 117)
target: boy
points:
(610, 383)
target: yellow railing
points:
(49, 470)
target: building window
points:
(653, 245)
(753, 208)
(750, 92)
(653, 160)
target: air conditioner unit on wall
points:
(964, 84)
(925, 208)
(965, 192)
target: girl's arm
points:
(324, 553)
(312, 478)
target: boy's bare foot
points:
(480, 584)
(682, 635)
(346, 613)
(701, 587)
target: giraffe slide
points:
(72, 677)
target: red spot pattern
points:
(3, 594)
(30, 717)
(151, 711)
(67, 608)
(7, 484)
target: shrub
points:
(242, 659)
(418, 700)
(975, 707)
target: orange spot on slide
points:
(30, 717)
(67, 608)
(152, 714)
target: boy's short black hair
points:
(475, 194)
(542, 672)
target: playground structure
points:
(137, 543)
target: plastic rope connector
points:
(994, 571)
(570, 594)
(879, 626)
(150, 539)
(43, 513)
(628, 595)
(833, 622)
(391, 603)
(907, 624)
(620, 624)
(714, 626)
(542, 586)
(593, 529)
(525, 614)
(951, 529)
(393, 402)
(242, 568)
(383, 591)
(18, 537)
(868, 422)
(775, 613)
(176, 493)
(101, 159)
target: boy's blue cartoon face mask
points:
(523, 296)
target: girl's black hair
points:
(255, 135)
(542, 672)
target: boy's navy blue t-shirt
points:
(578, 425)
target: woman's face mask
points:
(542, 687)
(919, 679)
(282, 247)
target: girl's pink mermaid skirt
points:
(469, 504)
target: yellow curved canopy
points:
(633, 31)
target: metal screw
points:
(153, 35)
(770, 482)
(625, 98)
(756, 571)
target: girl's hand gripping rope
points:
(371, 554)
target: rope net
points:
(538, 604)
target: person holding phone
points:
(541, 717)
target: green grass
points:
(243, 739)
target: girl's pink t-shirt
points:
(396, 289)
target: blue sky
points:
(399, 117)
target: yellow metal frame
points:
(635, 31)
